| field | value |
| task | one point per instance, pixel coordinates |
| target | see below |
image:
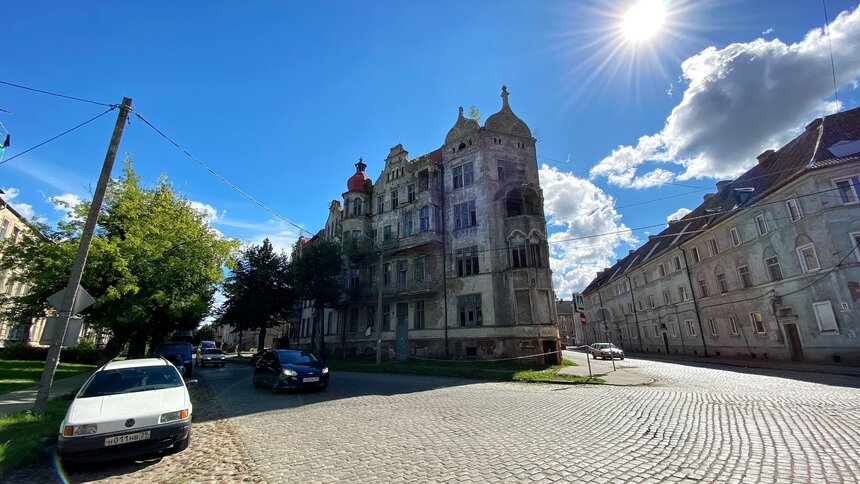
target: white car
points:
(127, 408)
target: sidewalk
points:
(749, 363)
(25, 399)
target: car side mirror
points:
(191, 383)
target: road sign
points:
(73, 331)
(582, 318)
(83, 300)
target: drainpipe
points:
(695, 301)
(635, 313)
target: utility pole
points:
(65, 312)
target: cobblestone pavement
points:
(703, 424)
(216, 454)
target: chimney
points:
(631, 251)
(723, 184)
(814, 124)
(764, 156)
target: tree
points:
(153, 268)
(317, 272)
(204, 333)
(259, 293)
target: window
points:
(760, 224)
(536, 258)
(662, 270)
(666, 298)
(402, 267)
(465, 215)
(744, 275)
(423, 180)
(410, 192)
(15, 232)
(407, 223)
(703, 287)
(855, 241)
(733, 324)
(500, 169)
(635, 281)
(656, 331)
(463, 175)
(402, 314)
(682, 293)
(677, 262)
(386, 232)
(353, 320)
(380, 204)
(640, 304)
(518, 251)
(629, 308)
(371, 315)
(672, 330)
(808, 259)
(371, 276)
(356, 207)
(713, 248)
(825, 317)
(419, 269)
(3, 229)
(794, 210)
(695, 252)
(424, 218)
(469, 309)
(386, 317)
(393, 199)
(713, 326)
(419, 315)
(848, 189)
(467, 261)
(773, 269)
(386, 274)
(651, 303)
(721, 282)
(691, 330)
(736, 237)
(354, 277)
(756, 322)
(521, 170)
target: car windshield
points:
(289, 357)
(212, 351)
(129, 380)
(169, 349)
(602, 346)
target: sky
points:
(636, 116)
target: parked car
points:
(210, 356)
(256, 356)
(180, 354)
(282, 369)
(127, 408)
(606, 350)
(207, 344)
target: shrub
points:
(86, 354)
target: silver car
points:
(210, 356)
(606, 350)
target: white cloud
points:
(210, 214)
(24, 209)
(65, 203)
(679, 214)
(739, 101)
(767, 31)
(579, 208)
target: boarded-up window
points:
(524, 310)
(825, 318)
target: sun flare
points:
(643, 20)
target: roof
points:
(135, 363)
(810, 150)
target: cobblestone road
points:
(696, 424)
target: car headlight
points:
(289, 372)
(76, 430)
(172, 416)
(325, 371)
(207, 358)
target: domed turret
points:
(359, 181)
(505, 121)
(461, 128)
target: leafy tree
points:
(474, 113)
(317, 273)
(204, 333)
(153, 265)
(259, 293)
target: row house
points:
(767, 267)
(457, 240)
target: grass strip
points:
(22, 435)
(20, 374)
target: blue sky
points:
(282, 98)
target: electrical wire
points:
(7, 160)
(218, 175)
(830, 45)
(41, 91)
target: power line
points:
(830, 45)
(57, 136)
(65, 96)
(218, 175)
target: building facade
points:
(767, 267)
(455, 240)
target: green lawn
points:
(17, 374)
(22, 435)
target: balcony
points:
(368, 293)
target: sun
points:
(643, 20)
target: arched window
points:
(527, 251)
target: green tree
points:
(153, 266)
(259, 292)
(205, 332)
(317, 272)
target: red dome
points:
(359, 181)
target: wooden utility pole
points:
(65, 312)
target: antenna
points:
(832, 65)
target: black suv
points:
(180, 354)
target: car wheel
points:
(275, 388)
(182, 444)
(621, 358)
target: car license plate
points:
(311, 379)
(127, 438)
